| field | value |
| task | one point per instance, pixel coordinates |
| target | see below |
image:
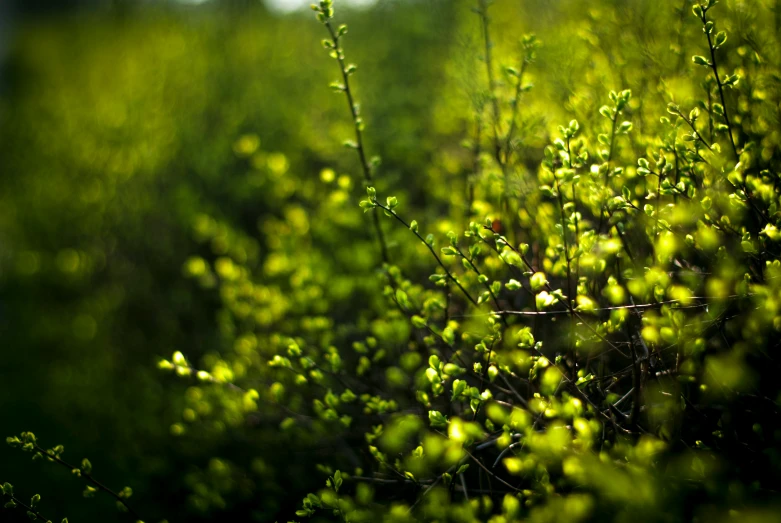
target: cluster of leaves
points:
(595, 343)
(27, 442)
(624, 337)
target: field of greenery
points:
(421, 260)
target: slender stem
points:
(567, 257)
(487, 286)
(514, 118)
(367, 174)
(607, 171)
(577, 221)
(489, 472)
(475, 163)
(489, 68)
(710, 111)
(431, 249)
(694, 129)
(483, 11)
(28, 508)
(715, 68)
(88, 478)
(656, 211)
(636, 383)
(612, 144)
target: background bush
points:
(174, 182)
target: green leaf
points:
(449, 335)
(437, 419)
(538, 281)
(418, 322)
(451, 369)
(511, 258)
(459, 386)
(513, 285)
(337, 480)
(700, 60)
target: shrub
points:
(582, 335)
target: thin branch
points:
(430, 248)
(357, 124)
(88, 478)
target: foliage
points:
(547, 322)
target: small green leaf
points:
(418, 322)
(513, 285)
(437, 419)
(337, 480)
(538, 281)
(459, 386)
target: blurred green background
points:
(134, 135)
(117, 132)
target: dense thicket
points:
(553, 294)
